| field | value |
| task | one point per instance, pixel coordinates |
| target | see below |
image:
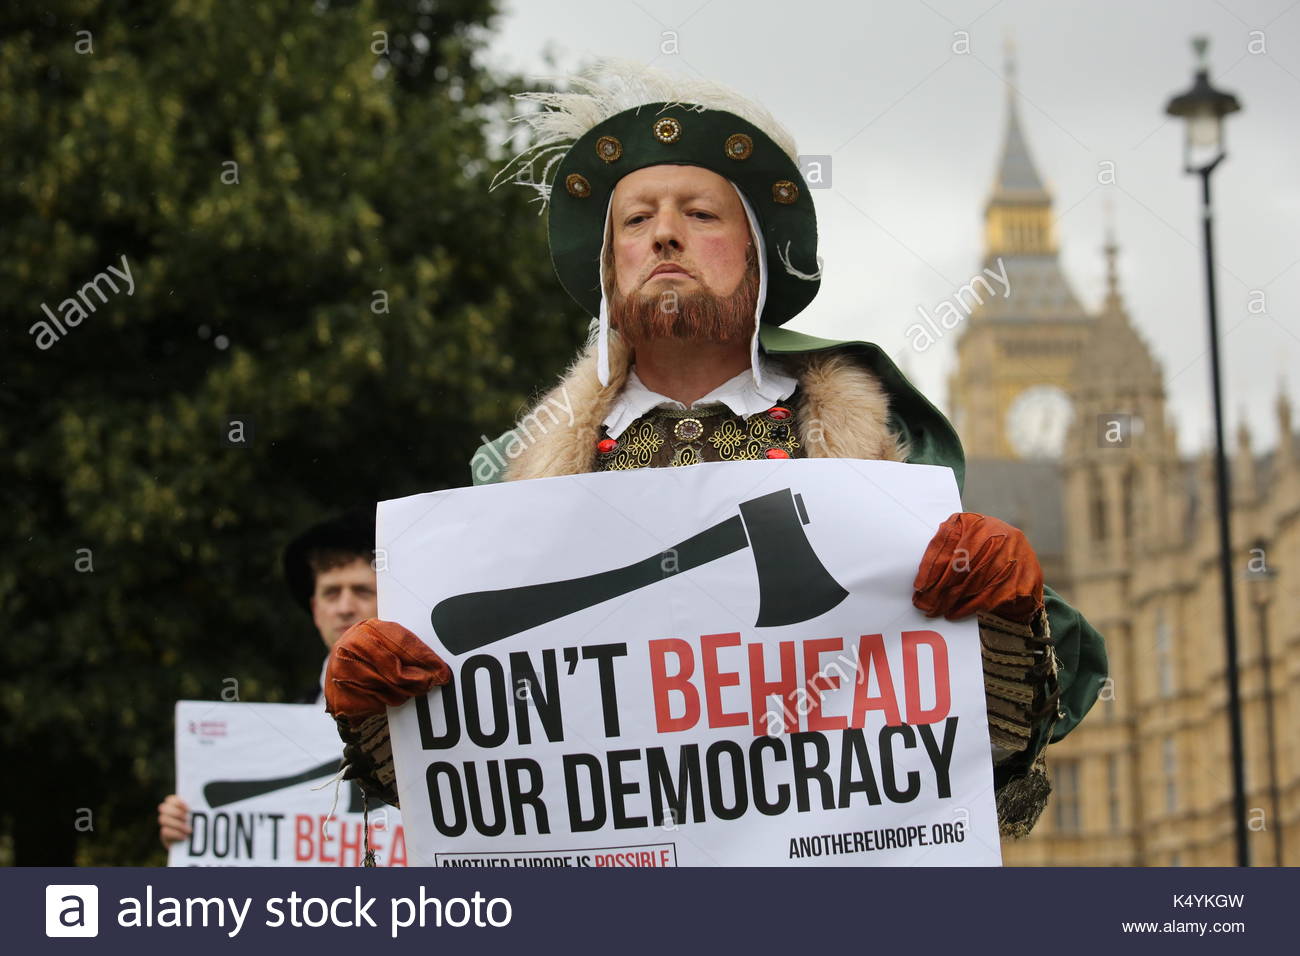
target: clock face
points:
(1038, 420)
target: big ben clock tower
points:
(1015, 353)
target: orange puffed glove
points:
(977, 563)
(378, 664)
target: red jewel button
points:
(606, 445)
(777, 453)
(778, 413)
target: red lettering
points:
(715, 680)
(662, 685)
(912, 682)
(872, 659)
(397, 855)
(818, 682)
(349, 846)
(639, 858)
(302, 838)
(760, 689)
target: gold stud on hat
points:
(577, 185)
(608, 148)
(667, 130)
(784, 192)
(738, 146)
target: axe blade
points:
(793, 584)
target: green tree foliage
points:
(300, 193)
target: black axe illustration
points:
(218, 793)
(793, 584)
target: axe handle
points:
(468, 621)
(218, 793)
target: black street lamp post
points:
(1204, 107)
(1260, 577)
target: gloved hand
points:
(977, 563)
(379, 664)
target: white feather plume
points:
(609, 87)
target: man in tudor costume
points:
(678, 219)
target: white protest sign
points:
(249, 773)
(713, 665)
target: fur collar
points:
(845, 413)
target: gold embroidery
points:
(678, 437)
(637, 448)
(726, 437)
(686, 455)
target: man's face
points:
(682, 255)
(678, 227)
(343, 596)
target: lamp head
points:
(1203, 108)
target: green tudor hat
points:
(722, 142)
(626, 116)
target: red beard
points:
(699, 314)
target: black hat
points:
(352, 531)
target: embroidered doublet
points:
(666, 437)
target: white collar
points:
(739, 393)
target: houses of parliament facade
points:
(1062, 414)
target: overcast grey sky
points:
(914, 130)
